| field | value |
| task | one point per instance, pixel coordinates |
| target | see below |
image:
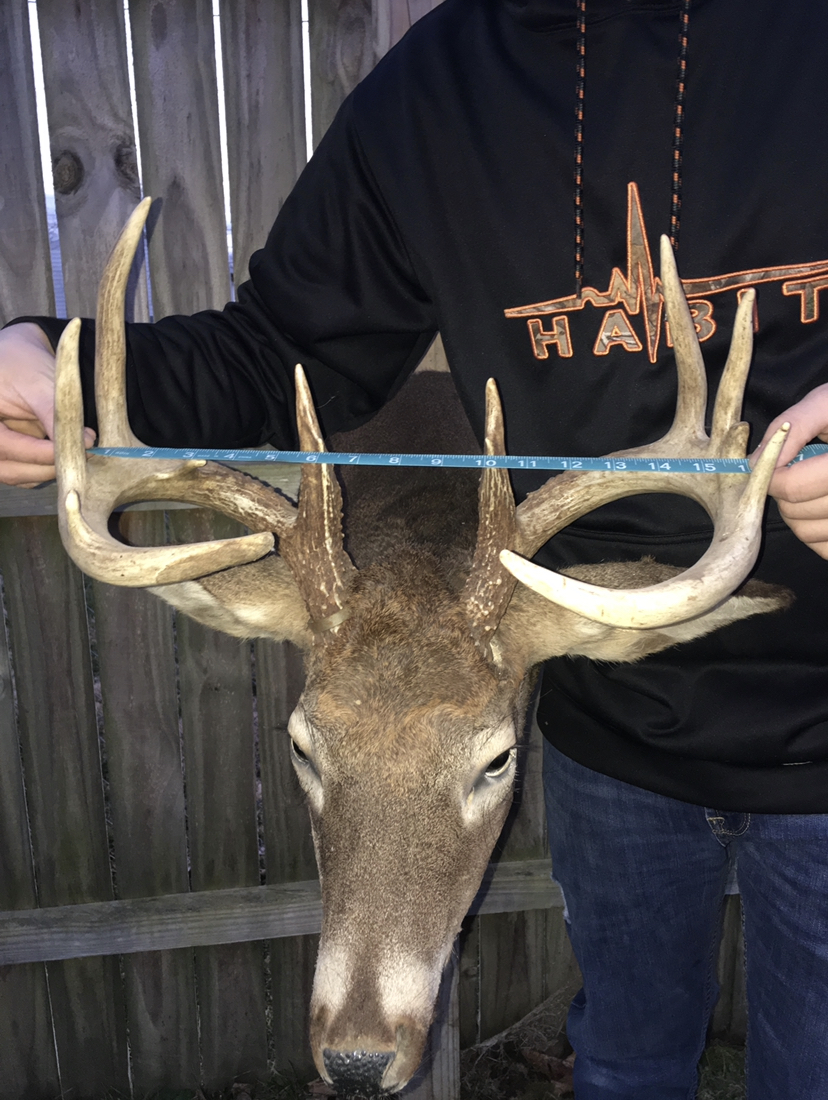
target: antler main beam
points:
(91, 487)
(735, 502)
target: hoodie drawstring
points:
(678, 124)
(678, 134)
(580, 73)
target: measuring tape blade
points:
(468, 462)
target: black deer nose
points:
(356, 1071)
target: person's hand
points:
(802, 490)
(27, 406)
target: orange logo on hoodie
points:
(639, 292)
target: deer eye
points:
(500, 763)
(299, 756)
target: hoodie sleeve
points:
(333, 289)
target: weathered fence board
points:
(27, 1046)
(347, 38)
(25, 267)
(265, 108)
(161, 923)
(47, 622)
(96, 183)
(140, 712)
(175, 80)
(27, 1051)
(237, 915)
(219, 756)
(438, 1077)
(279, 680)
(468, 993)
(512, 947)
(342, 53)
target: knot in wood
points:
(126, 163)
(67, 172)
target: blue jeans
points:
(644, 879)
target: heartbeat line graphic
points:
(639, 291)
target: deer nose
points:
(357, 1071)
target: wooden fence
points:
(156, 869)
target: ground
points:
(523, 1063)
(533, 1061)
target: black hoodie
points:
(442, 198)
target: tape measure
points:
(464, 462)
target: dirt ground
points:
(533, 1061)
(530, 1061)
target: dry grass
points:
(722, 1073)
(504, 1070)
(530, 1061)
(508, 1067)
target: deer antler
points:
(735, 502)
(313, 548)
(489, 587)
(89, 489)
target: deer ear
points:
(260, 601)
(534, 629)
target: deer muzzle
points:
(370, 1017)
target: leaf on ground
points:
(321, 1088)
(558, 1070)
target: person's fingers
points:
(813, 532)
(804, 481)
(808, 419)
(25, 448)
(26, 427)
(24, 475)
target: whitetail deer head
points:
(419, 647)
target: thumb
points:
(808, 419)
(26, 427)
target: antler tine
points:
(695, 591)
(494, 442)
(307, 423)
(729, 433)
(69, 448)
(314, 547)
(752, 502)
(110, 339)
(692, 378)
(489, 586)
